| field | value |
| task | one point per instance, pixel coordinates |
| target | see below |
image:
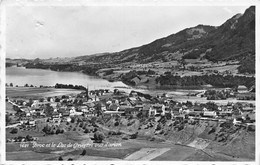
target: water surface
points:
(21, 76)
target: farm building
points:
(209, 114)
(242, 89)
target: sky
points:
(69, 31)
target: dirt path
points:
(147, 154)
(13, 125)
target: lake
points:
(21, 76)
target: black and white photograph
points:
(129, 82)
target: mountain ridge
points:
(232, 40)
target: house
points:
(180, 117)
(31, 122)
(113, 113)
(65, 114)
(84, 108)
(224, 114)
(165, 95)
(55, 118)
(146, 110)
(72, 111)
(238, 120)
(125, 103)
(130, 111)
(143, 99)
(135, 80)
(247, 109)
(113, 107)
(242, 89)
(211, 114)
(133, 101)
(159, 109)
(103, 107)
(133, 94)
(196, 111)
(23, 120)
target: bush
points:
(83, 152)
(60, 158)
(99, 136)
(14, 131)
(86, 130)
(134, 136)
(95, 130)
(125, 137)
(29, 138)
(116, 124)
(212, 130)
(57, 131)
(81, 124)
(159, 127)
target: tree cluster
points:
(70, 86)
(215, 80)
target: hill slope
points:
(233, 40)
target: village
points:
(104, 103)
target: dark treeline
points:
(70, 86)
(215, 80)
(247, 65)
(7, 64)
(127, 78)
(143, 72)
(87, 69)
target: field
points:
(31, 92)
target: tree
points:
(99, 136)
(41, 100)
(57, 99)
(14, 131)
(134, 136)
(60, 158)
(83, 152)
(58, 131)
(48, 110)
(7, 119)
(86, 130)
(29, 138)
(26, 85)
(182, 62)
(11, 85)
(98, 109)
(46, 129)
(30, 102)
